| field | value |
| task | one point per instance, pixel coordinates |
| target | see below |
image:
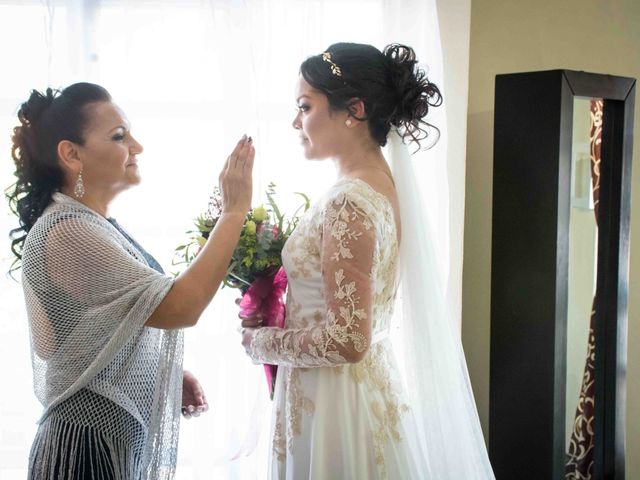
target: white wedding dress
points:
(335, 417)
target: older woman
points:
(105, 321)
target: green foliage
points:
(259, 248)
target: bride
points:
(343, 409)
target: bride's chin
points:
(314, 155)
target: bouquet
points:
(256, 264)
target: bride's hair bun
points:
(395, 92)
(413, 92)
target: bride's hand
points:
(254, 321)
(249, 325)
(247, 336)
(235, 178)
(249, 321)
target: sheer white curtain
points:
(193, 76)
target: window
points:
(192, 76)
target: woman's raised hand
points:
(236, 178)
(195, 287)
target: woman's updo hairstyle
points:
(45, 120)
(395, 92)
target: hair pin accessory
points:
(335, 69)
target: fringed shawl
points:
(89, 292)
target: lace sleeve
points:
(348, 247)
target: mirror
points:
(555, 253)
(583, 254)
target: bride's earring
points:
(348, 122)
(78, 190)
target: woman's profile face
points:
(321, 129)
(109, 153)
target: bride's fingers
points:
(252, 322)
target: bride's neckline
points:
(381, 196)
(369, 187)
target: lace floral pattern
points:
(375, 371)
(346, 331)
(279, 439)
(341, 264)
(305, 252)
(296, 404)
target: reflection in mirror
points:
(583, 233)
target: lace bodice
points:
(341, 266)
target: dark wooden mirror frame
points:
(529, 271)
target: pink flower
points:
(265, 296)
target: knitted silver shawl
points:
(88, 293)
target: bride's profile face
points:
(321, 129)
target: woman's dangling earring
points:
(348, 122)
(78, 190)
